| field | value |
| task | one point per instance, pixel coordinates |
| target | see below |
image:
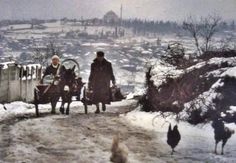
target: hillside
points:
(198, 93)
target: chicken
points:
(4, 107)
(222, 133)
(119, 151)
(173, 137)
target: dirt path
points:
(74, 138)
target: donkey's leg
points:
(54, 101)
(216, 146)
(53, 104)
(172, 152)
(103, 107)
(62, 110)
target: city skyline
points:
(174, 10)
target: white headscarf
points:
(55, 57)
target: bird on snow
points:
(4, 107)
(222, 133)
(173, 137)
(119, 152)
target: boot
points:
(67, 111)
(98, 110)
(62, 110)
(53, 111)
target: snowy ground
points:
(87, 138)
(197, 142)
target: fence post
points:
(40, 72)
(32, 72)
(21, 76)
(0, 76)
(16, 73)
(37, 73)
(26, 83)
(8, 84)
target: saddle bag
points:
(116, 94)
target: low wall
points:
(18, 82)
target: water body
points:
(145, 9)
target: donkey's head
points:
(68, 77)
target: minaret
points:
(121, 14)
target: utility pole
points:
(121, 31)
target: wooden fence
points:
(17, 82)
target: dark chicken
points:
(222, 133)
(173, 137)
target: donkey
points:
(66, 84)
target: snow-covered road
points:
(74, 138)
(87, 138)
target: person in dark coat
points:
(99, 81)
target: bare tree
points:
(42, 56)
(193, 27)
(203, 29)
(208, 27)
(53, 49)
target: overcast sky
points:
(146, 9)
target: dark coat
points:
(50, 70)
(99, 81)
